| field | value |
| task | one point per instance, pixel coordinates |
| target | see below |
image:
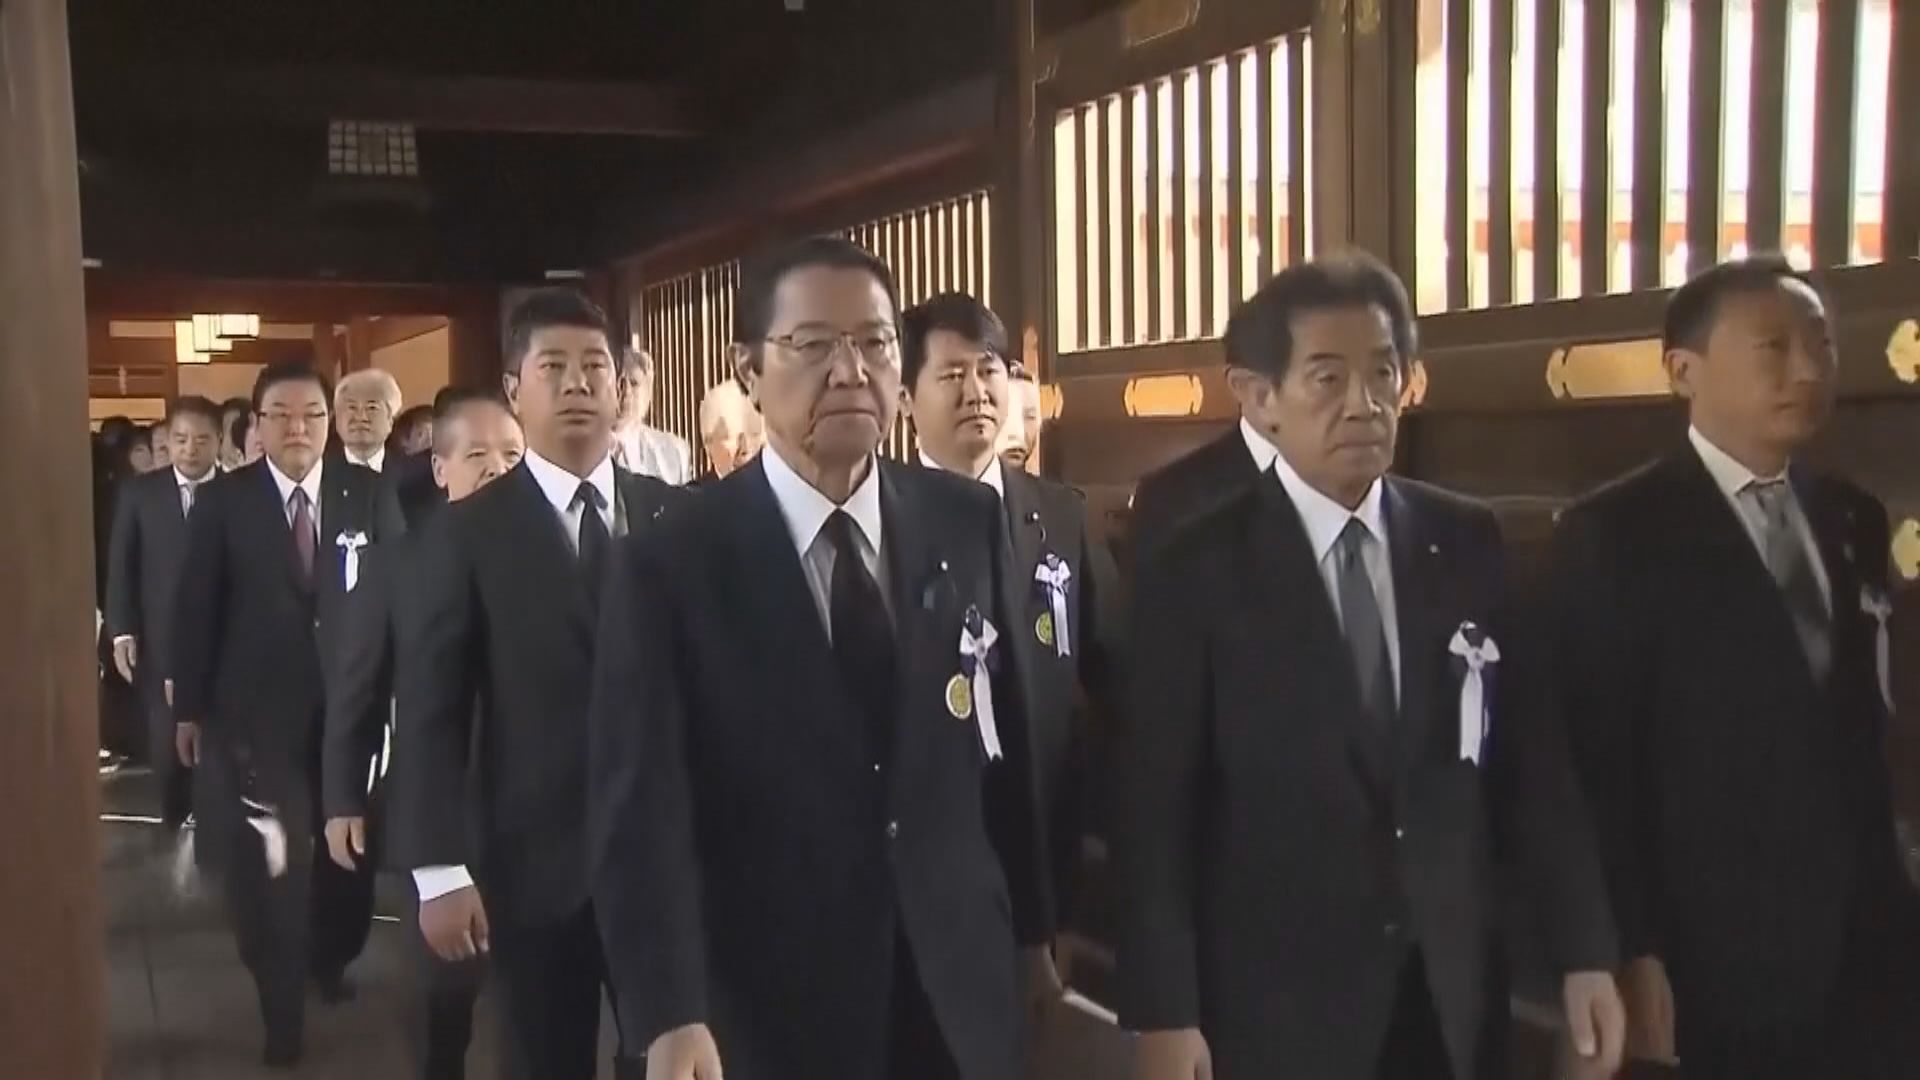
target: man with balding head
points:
(638, 446)
(730, 429)
(366, 402)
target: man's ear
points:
(510, 385)
(746, 370)
(1249, 388)
(1683, 372)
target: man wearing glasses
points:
(806, 873)
(273, 549)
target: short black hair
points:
(956, 313)
(1260, 332)
(235, 405)
(1694, 307)
(448, 402)
(411, 417)
(544, 309)
(761, 278)
(290, 371)
(194, 405)
(237, 429)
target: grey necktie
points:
(1364, 629)
(186, 497)
(1788, 562)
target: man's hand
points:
(1172, 1055)
(347, 841)
(126, 656)
(1596, 1021)
(1649, 1000)
(685, 1053)
(186, 743)
(166, 689)
(455, 925)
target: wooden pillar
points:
(359, 355)
(328, 354)
(1356, 203)
(473, 344)
(1022, 276)
(52, 1007)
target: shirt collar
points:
(1258, 445)
(806, 510)
(992, 477)
(375, 461)
(1728, 474)
(181, 479)
(310, 484)
(562, 487)
(1325, 519)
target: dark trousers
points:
(440, 1029)
(309, 922)
(1414, 1048)
(915, 1047)
(175, 779)
(550, 976)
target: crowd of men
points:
(791, 760)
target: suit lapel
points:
(552, 567)
(792, 637)
(1725, 552)
(1832, 528)
(272, 512)
(912, 567)
(1024, 518)
(1418, 609)
(1299, 616)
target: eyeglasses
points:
(876, 348)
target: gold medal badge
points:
(959, 697)
(1043, 628)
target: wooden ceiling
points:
(540, 127)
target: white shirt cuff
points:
(434, 882)
(118, 638)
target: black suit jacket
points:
(1049, 518)
(147, 548)
(1177, 492)
(253, 642)
(362, 686)
(1743, 806)
(1277, 863)
(754, 868)
(492, 684)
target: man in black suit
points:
(957, 389)
(477, 440)
(1322, 765)
(1716, 617)
(491, 735)
(149, 543)
(1215, 472)
(273, 550)
(814, 840)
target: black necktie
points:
(594, 538)
(862, 633)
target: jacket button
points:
(1400, 832)
(1391, 930)
(893, 830)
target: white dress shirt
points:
(1262, 450)
(992, 477)
(806, 512)
(377, 461)
(1732, 478)
(310, 484)
(1325, 520)
(659, 454)
(562, 490)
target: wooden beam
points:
(1596, 165)
(1546, 152)
(1649, 199)
(157, 296)
(1459, 186)
(1767, 126)
(1500, 164)
(1901, 235)
(430, 103)
(1705, 123)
